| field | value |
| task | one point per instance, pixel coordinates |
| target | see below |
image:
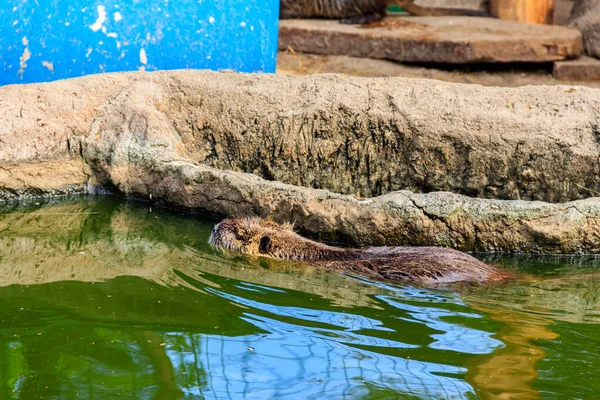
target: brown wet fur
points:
(424, 265)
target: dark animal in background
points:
(423, 265)
(586, 17)
(360, 11)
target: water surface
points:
(102, 298)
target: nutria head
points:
(255, 236)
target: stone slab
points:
(455, 40)
(581, 69)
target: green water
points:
(102, 298)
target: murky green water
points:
(102, 298)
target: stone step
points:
(580, 69)
(455, 40)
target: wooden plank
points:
(456, 40)
(581, 69)
(529, 11)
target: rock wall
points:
(185, 139)
(586, 17)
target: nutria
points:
(424, 265)
(360, 11)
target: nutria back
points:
(425, 265)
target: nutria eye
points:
(238, 235)
(265, 245)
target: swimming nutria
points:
(360, 11)
(425, 265)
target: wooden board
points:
(456, 40)
(531, 11)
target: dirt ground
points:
(511, 75)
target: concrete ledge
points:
(403, 217)
(365, 136)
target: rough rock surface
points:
(586, 17)
(162, 136)
(455, 40)
(443, 219)
(347, 135)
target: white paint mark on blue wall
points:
(25, 56)
(143, 59)
(48, 65)
(96, 26)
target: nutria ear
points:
(265, 245)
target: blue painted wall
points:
(43, 40)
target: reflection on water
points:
(515, 365)
(101, 298)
